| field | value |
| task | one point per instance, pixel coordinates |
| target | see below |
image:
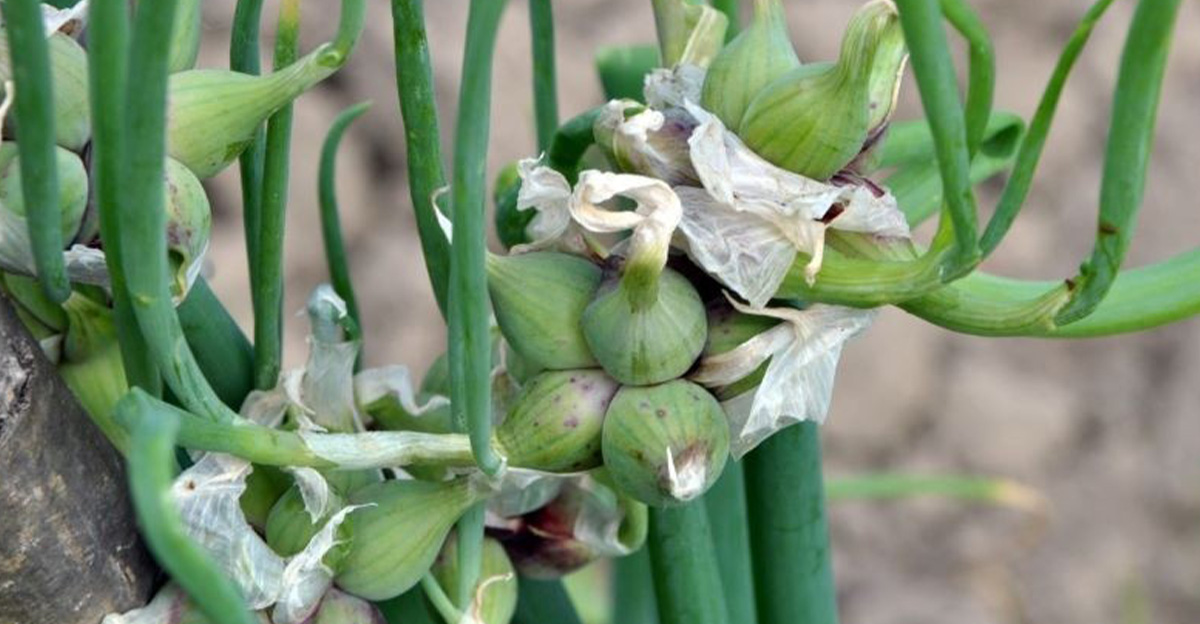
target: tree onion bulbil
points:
(539, 299)
(494, 597)
(69, 106)
(72, 188)
(554, 424)
(665, 444)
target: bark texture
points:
(69, 548)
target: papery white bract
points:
(798, 384)
(666, 88)
(653, 221)
(547, 192)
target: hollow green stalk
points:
(545, 82)
(931, 64)
(570, 142)
(541, 601)
(222, 351)
(141, 214)
(418, 108)
(633, 600)
(789, 534)
(30, 54)
(151, 470)
(1016, 189)
(244, 58)
(268, 292)
(623, 69)
(331, 228)
(1130, 137)
(108, 45)
(726, 505)
(687, 583)
(981, 69)
(732, 14)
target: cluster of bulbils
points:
(639, 342)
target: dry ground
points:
(1107, 430)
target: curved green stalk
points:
(30, 54)
(268, 292)
(470, 362)
(789, 534)
(934, 70)
(981, 63)
(141, 214)
(545, 83)
(151, 470)
(544, 601)
(418, 108)
(1130, 137)
(108, 45)
(726, 505)
(222, 351)
(243, 57)
(276, 447)
(687, 584)
(331, 228)
(1021, 178)
(570, 142)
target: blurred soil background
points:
(1108, 431)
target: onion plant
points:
(644, 365)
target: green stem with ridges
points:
(244, 58)
(1021, 178)
(268, 293)
(687, 584)
(931, 64)
(789, 534)
(981, 63)
(331, 228)
(726, 505)
(545, 82)
(1130, 137)
(108, 45)
(418, 108)
(34, 98)
(142, 217)
(151, 470)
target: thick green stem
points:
(544, 601)
(981, 79)
(108, 45)
(418, 107)
(726, 505)
(545, 82)
(331, 228)
(243, 57)
(732, 14)
(789, 534)
(268, 292)
(633, 599)
(151, 470)
(687, 584)
(34, 108)
(1130, 138)
(570, 142)
(222, 351)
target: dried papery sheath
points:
(646, 141)
(69, 21)
(388, 395)
(747, 223)
(548, 193)
(327, 389)
(673, 88)
(208, 496)
(169, 606)
(803, 353)
(653, 221)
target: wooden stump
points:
(69, 548)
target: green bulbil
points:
(539, 299)
(290, 527)
(394, 542)
(189, 225)
(665, 444)
(69, 76)
(342, 608)
(554, 425)
(815, 119)
(495, 597)
(72, 187)
(758, 55)
(642, 340)
(213, 115)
